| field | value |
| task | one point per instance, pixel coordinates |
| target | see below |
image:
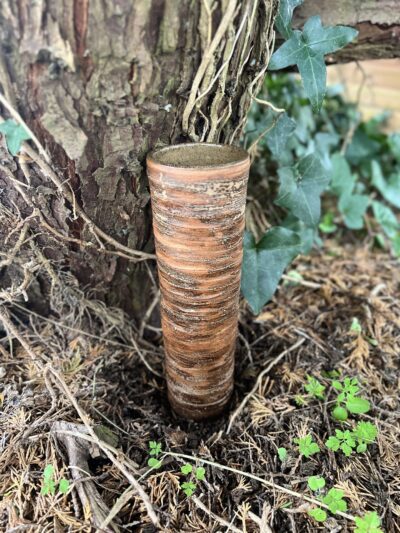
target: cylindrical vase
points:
(198, 196)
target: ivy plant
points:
(301, 183)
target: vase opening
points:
(199, 155)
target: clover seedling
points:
(365, 433)
(314, 387)
(347, 399)
(334, 500)
(368, 524)
(316, 483)
(318, 514)
(307, 446)
(49, 485)
(344, 440)
(189, 487)
(282, 454)
(155, 450)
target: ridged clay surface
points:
(198, 195)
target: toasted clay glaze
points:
(198, 194)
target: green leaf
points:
(15, 134)
(353, 208)
(282, 454)
(334, 500)
(300, 189)
(264, 263)
(396, 245)
(306, 446)
(342, 180)
(362, 148)
(386, 219)
(361, 448)
(48, 472)
(316, 483)
(318, 514)
(188, 488)
(307, 50)
(200, 473)
(333, 444)
(365, 432)
(394, 145)
(369, 523)
(389, 189)
(155, 448)
(284, 17)
(357, 405)
(327, 225)
(63, 485)
(186, 469)
(154, 463)
(314, 387)
(355, 325)
(340, 413)
(277, 138)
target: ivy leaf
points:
(342, 180)
(264, 263)
(307, 49)
(386, 218)
(353, 208)
(15, 134)
(300, 189)
(284, 17)
(277, 138)
(389, 189)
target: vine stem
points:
(265, 482)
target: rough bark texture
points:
(198, 208)
(101, 82)
(378, 23)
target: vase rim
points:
(198, 155)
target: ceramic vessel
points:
(198, 195)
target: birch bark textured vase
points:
(198, 194)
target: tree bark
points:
(102, 82)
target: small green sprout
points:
(347, 399)
(186, 469)
(188, 488)
(316, 483)
(300, 400)
(318, 514)
(307, 446)
(334, 500)
(369, 523)
(314, 387)
(200, 473)
(15, 134)
(327, 224)
(365, 433)
(282, 454)
(344, 440)
(155, 450)
(355, 326)
(49, 484)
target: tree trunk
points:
(100, 83)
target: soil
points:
(86, 356)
